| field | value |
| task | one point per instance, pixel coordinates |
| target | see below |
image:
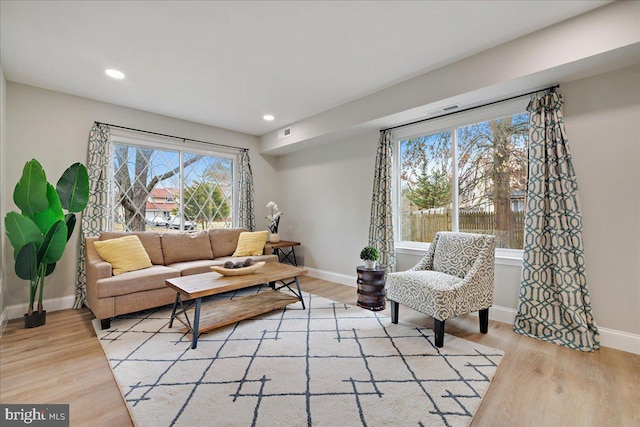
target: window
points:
(465, 173)
(159, 186)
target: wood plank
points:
(61, 362)
(205, 284)
(224, 313)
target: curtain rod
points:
(172, 136)
(470, 108)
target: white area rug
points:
(329, 365)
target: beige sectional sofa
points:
(173, 254)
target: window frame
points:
(437, 125)
(124, 137)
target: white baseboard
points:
(611, 338)
(53, 304)
(502, 314)
(619, 340)
(333, 277)
(3, 320)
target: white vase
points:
(274, 237)
(369, 264)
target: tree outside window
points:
(147, 183)
(205, 204)
(490, 179)
(492, 174)
(426, 186)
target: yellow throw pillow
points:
(251, 243)
(124, 254)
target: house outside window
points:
(159, 185)
(466, 172)
(161, 205)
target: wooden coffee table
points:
(195, 287)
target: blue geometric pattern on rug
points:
(330, 365)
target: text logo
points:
(55, 415)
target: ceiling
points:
(227, 64)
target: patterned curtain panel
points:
(246, 211)
(96, 214)
(554, 303)
(381, 225)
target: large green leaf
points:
(54, 243)
(73, 188)
(52, 214)
(49, 269)
(21, 230)
(30, 194)
(70, 220)
(26, 262)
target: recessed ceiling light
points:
(268, 117)
(115, 74)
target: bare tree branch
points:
(159, 178)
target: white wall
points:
(602, 117)
(54, 128)
(3, 192)
(326, 198)
(326, 193)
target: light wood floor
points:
(537, 384)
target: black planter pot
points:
(36, 319)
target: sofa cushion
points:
(179, 247)
(135, 281)
(150, 241)
(427, 291)
(188, 268)
(124, 254)
(224, 240)
(251, 243)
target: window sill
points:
(509, 257)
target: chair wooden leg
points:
(395, 307)
(438, 329)
(484, 320)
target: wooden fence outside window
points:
(424, 226)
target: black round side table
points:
(371, 294)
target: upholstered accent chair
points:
(454, 278)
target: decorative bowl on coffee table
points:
(237, 271)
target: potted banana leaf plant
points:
(39, 234)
